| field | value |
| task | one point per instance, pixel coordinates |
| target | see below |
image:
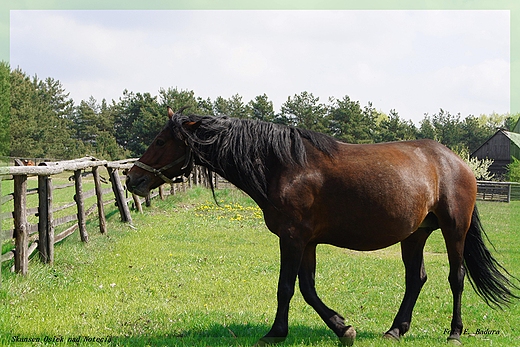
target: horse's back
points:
(371, 196)
(415, 168)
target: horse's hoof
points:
(454, 341)
(348, 336)
(389, 335)
(261, 343)
(266, 341)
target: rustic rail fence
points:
(498, 191)
(28, 237)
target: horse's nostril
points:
(132, 183)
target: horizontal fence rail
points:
(27, 236)
(498, 191)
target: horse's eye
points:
(159, 142)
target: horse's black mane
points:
(248, 149)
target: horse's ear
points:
(192, 126)
(170, 112)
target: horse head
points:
(169, 156)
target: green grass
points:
(196, 274)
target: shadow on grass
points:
(248, 335)
(216, 336)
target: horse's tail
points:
(487, 277)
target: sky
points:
(413, 62)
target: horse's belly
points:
(368, 234)
(365, 234)
(370, 242)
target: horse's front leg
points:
(291, 255)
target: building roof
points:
(515, 144)
(516, 128)
(513, 137)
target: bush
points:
(480, 168)
(513, 174)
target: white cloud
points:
(485, 82)
(411, 61)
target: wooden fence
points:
(28, 238)
(498, 191)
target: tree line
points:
(45, 122)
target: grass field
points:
(197, 274)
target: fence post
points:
(81, 206)
(99, 195)
(161, 191)
(117, 188)
(45, 226)
(21, 257)
(209, 179)
(196, 175)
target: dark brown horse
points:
(314, 190)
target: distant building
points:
(516, 129)
(500, 147)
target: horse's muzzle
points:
(137, 185)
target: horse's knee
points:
(285, 293)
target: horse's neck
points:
(235, 176)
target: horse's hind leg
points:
(455, 248)
(306, 274)
(412, 255)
